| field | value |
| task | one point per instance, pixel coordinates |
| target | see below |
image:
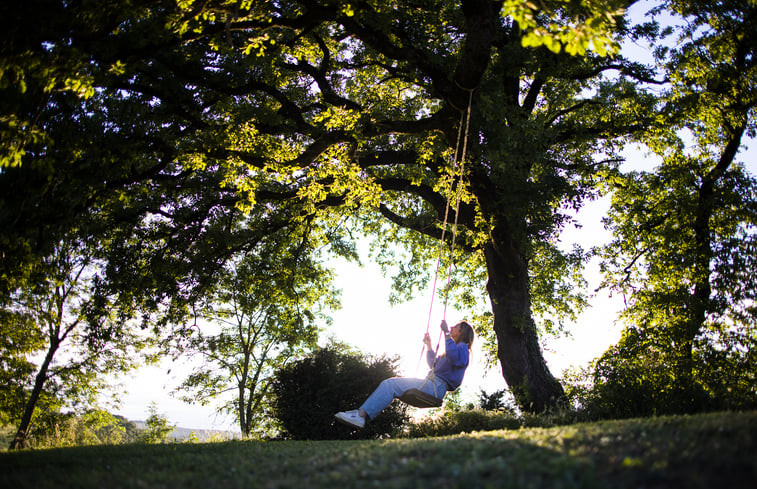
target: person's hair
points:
(468, 333)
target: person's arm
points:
(430, 353)
(430, 357)
(457, 353)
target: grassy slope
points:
(714, 450)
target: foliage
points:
(55, 146)
(685, 451)
(496, 401)
(576, 27)
(7, 432)
(93, 427)
(310, 391)
(157, 427)
(19, 340)
(451, 422)
(29, 73)
(685, 234)
(71, 339)
(635, 378)
(494, 411)
(265, 311)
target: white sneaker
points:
(351, 418)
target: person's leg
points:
(387, 391)
(385, 394)
(436, 387)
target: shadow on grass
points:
(442, 462)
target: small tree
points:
(499, 400)
(55, 325)
(310, 391)
(157, 427)
(267, 309)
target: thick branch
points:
(423, 227)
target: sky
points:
(369, 323)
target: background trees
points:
(57, 151)
(684, 234)
(67, 345)
(266, 311)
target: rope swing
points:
(416, 397)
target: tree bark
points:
(19, 441)
(699, 301)
(523, 365)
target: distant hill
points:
(181, 434)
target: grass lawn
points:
(713, 450)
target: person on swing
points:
(446, 374)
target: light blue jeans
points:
(394, 387)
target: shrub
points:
(450, 422)
(636, 378)
(500, 400)
(157, 427)
(310, 391)
(495, 411)
(94, 427)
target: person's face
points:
(456, 333)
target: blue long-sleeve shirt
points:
(451, 366)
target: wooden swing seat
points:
(418, 398)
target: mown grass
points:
(712, 450)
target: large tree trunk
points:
(523, 366)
